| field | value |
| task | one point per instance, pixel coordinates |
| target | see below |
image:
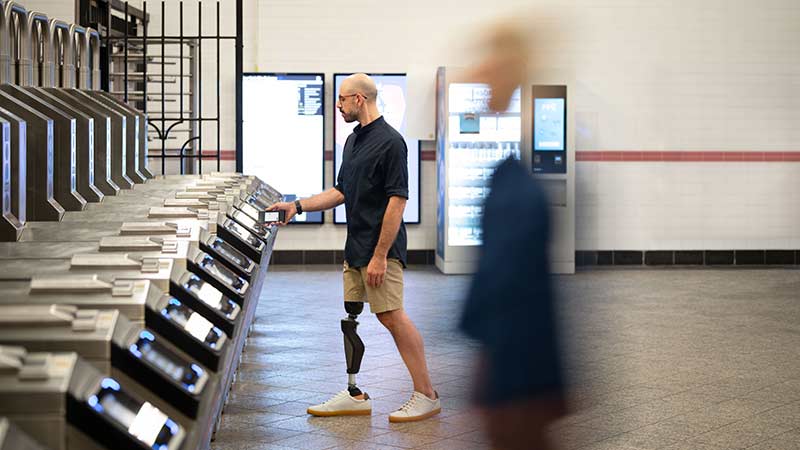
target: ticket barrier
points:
(10, 225)
(240, 238)
(14, 178)
(109, 143)
(38, 159)
(185, 327)
(152, 366)
(138, 118)
(84, 144)
(91, 231)
(227, 254)
(132, 141)
(219, 275)
(65, 187)
(77, 407)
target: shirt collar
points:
(359, 130)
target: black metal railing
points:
(129, 44)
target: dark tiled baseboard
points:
(588, 258)
(687, 258)
(337, 257)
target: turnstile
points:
(18, 167)
(155, 367)
(67, 404)
(39, 160)
(132, 135)
(65, 153)
(105, 123)
(10, 225)
(84, 144)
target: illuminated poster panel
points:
(284, 133)
(392, 101)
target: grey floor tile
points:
(312, 441)
(673, 359)
(403, 440)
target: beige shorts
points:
(387, 297)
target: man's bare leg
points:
(411, 347)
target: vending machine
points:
(471, 140)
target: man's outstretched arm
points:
(327, 199)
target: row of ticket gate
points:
(121, 326)
(125, 299)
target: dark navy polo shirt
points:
(374, 168)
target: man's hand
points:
(376, 271)
(288, 207)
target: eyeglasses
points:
(342, 98)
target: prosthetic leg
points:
(353, 345)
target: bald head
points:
(360, 83)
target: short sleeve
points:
(339, 178)
(338, 185)
(396, 169)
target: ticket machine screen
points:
(165, 360)
(209, 295)
(141, 419)
(193, 323)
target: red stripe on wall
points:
(685, 156)
(609, 156)
(224, 155)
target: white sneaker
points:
(419, 407)
(342, 404)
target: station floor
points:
(679, 359)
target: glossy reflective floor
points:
(657, 359)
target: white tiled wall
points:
(650, 75)
(635, 206)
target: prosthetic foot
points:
(344, 403)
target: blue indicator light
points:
(147, 335)
(197, 369)
(94, 403)
(110, 383)
(173, 427)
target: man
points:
(373, 185)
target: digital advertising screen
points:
(283, 127)
(392, 102)
(548, 124)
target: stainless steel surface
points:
(44, 418)
(119, 138)
(39, 200)
(143, 126)
(12, 438)
(10, 226)
(84, 145)
(74, 232)
(132, 159)
(128, 296)
(18, 164)
(64, 158)
(59, 328)
(102, 139)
